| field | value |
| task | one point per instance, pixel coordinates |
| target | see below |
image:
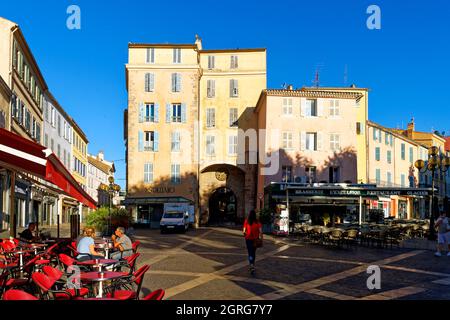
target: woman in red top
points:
(252, 230)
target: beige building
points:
(98, 172)
(5, 101)
(183, 103)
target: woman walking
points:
(252, 232)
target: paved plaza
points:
(211, 263)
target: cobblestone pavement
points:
(211, 263)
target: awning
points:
(22, 155)
(154, 200)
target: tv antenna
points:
(316, 81)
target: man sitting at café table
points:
(121, 242)
(27, 234)
(86, 246)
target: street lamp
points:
(111, 189)
(436, 162)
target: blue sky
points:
(405, 64)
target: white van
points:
(174, 221)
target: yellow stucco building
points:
(80, 155)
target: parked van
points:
(174, 221)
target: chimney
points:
(101, 156)
(290, 87)
(410, 129)
(198, 42)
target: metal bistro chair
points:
(351, 237)
(336, 236)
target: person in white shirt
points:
(443, 234)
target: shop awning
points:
(22, 155)
(154, 200)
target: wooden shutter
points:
(141, 141)
(147, 82)
(174, 82)
(156, 118)
(183, 112)
(319, 141)
(213, 88)
(168, 112)
(156, 141)
(302, 107)
(151, 82)
(302, 140)
(319, 105)
(178, 82)
(141, 112)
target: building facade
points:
(5, 102)
(98, 172)
(183, 102)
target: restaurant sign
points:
(161, 190)
(380, 192)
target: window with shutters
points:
(334, 108)
(311, 174)
(211, 62)
(33, 128)
(53, 117)
(378, 176)
(148, 172)
(175, 176)
(311, 108)
(359, 128)
(176, 55)
(234, 62)
(403, 151)
(210, 117)
(377, 154)
(28, 120)
(386, 138)
(286, 173)
(287, 140)
(287, 106)
(389, 157)
(149, 82)
(52, 145)
(232, 145)
(59, 151)
(375, 134)
(234, 90)
(389, 179)
(335, 144)
(210, 145)
(59, 125)
(403, 180)
(149, 140)
(46, 140)
(211, 88)
(149, 112)
(176, 141)
(411, 155)
(311, 141)
(233, 117)
(176, 112)
(334, 174)
(150, 56)
(176, 82)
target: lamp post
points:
(436, 162)
(111, 189)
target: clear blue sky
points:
(406, 64)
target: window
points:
(211, 62)
(59, 125)
(310, 174)
(391, 140)
(176, 141)
(389, 179)
(149, 112)
(375, 134)
(176, 112)
(232, 145)
(403, 180)
(234, 62)
(411, 154)
(176, 55)
(53, 117)
(176, 82)
(378, 176)
(150, 56)
(287, 140)
(335, 142)
(175, 173)
(311, 141)
(311, 108)
(149, 82)
(334, 108)
(334, 174)
(287, 106)
(52, 145)
(59, 151)
(210, 117)
(149, 140)
(234, 90)
(68, 160)
(286, 173)
(377, 154)
(210, 147)
(28, 120)
(386, 138)
(148, 172)
(233, 117)
(211, 88)
(359, 128)
(403, 151)
(46, 140)
(389, 157)
(33, 128)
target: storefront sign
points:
(161, 190)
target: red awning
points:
(27, 156)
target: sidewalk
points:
(421, 244)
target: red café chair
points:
(18, 295)
(128, 262)
(15, 281)
(45, 285)
(155, 295)
(137, 280)
(135, 246)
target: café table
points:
(98, 263)
(35, 246)
(101, 277)
(106, 246)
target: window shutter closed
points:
(141, 112)
(156, 119)
(174, 80)
(178, 82)
(320, 111)
(319, 141)
(213, 88)
(302, 140)
(147, 82)
(302, 107)
(183, 112)
(156, 141)
(141, 141)
(231, 87)
(168, 112)
(152, 82)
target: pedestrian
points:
(123, 243)
(443, 234)
(252, 231)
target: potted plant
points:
(99, 220)
(266, 219)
